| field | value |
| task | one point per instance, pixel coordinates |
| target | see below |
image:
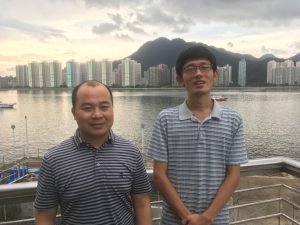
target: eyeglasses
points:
(192, 69)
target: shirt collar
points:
(79, 141)
(185, 113)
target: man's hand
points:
(197, 219)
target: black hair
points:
(193, 53)
(91, 83)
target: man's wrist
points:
(209, 218)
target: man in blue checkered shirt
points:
(197, 147)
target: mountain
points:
(295, 58)
(165, 51)
(267, 56)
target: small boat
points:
(219, 98)
(6, 105)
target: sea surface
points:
(271, 119)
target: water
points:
(271, 119)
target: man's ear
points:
(216, 75)
(179, 80)
(73, 112)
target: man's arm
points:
(222, 197)
(167, 190)
(45, 217)
(142, 209)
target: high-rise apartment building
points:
(118, 76)
(297, 73)
(73, 76)
(83, 71)
(131, 72)
(94, 70)
(281, 73)
(242, 73)
(22, 76)
(56, 79)
(271, 65)
(157, 76)
(44, 74)
(174, 82)
(106, 72)
(33, 75)
(224, 79)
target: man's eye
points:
(86, 108)
(190, 68)
(104, 107)
(204, 67)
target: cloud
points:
(296, 45)
(274, 51)
(230, 45)
(105, 28)
(134, 28)
(124, 37)
(255, 12)
(114, 3)
(117, 18)
(156, 17)
(264, 49)
(44, 33)
(70, 53)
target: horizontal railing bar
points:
(255, 203)
(291, 188)
(265, 217)
(267, 187)
(156, 202)
(264, 202)
(291, 219)
(258, 188)
(18, 221)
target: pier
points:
(22, 170)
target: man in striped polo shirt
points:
(197, 148)
(96, 177)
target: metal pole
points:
(13, 130)
(26, 130)
(14, 146)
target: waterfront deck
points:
(268, 193)
(22, 170)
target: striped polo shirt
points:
(197, 154)
(92, 186)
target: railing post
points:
(4, 212)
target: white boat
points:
(6, 105)
(219, 98)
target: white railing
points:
(24, 193)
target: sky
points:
(38, 30)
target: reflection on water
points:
(272, 119)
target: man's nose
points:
(97, 112)
(198, 71)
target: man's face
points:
(198, 76)
(93, 112)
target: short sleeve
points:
(46, 194)
(141, 181)
(237, 153)
(158, 146)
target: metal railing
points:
(22, 195)
(266, 202)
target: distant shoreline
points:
(242, 89)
